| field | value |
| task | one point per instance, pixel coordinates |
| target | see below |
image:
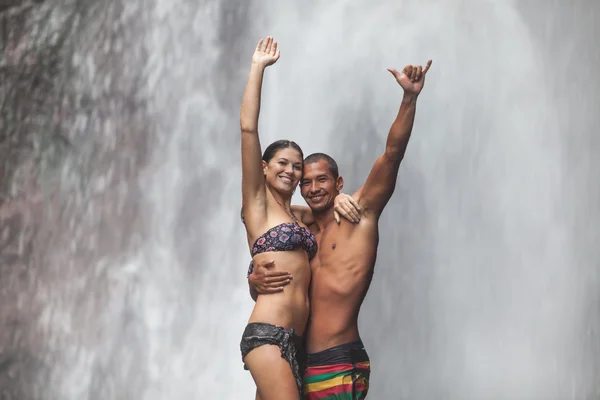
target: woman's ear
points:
(264, 164)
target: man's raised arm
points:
(381, 181)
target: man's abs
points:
(331, 326)
(334, 312)
(341, 275)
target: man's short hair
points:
(331, 164)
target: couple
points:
(299, 249)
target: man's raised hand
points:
(412, 78)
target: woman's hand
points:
(266, 53)
(347, 207)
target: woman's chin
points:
(287, 190)
(284, 189)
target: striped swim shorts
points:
(341, 372)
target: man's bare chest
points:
(334, 248)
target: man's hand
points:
(266, 53)
(347, 207)
(412, 78)
(264, 280)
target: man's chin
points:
(320, 208)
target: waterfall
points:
(485, 281)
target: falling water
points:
(486, 277)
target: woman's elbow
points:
(248, 128)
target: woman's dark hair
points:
(278, 145)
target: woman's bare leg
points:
(272, 374)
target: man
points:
(338, 365)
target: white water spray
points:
(474, 294)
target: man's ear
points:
(339, 183)
(264, 165)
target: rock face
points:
(72, 141)
(26, 95)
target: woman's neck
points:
(283, 200)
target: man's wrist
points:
(409, 97)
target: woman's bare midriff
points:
(289, 308)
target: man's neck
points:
(324, 218)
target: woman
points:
(270, 341)
(273, 334)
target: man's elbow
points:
(393, 154)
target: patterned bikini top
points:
(287, 236)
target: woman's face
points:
(284, 170)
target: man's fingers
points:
(393, 72)
(269, 44)
(274, 48)
(270, 264)
(427, 66)
(277, 282)
(271, 273)
(408, 70)
(418, 73)
(259, 45)
(264, 267)
(274, 275)
(336, 216)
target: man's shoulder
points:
(362, 230)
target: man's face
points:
(319, 187)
